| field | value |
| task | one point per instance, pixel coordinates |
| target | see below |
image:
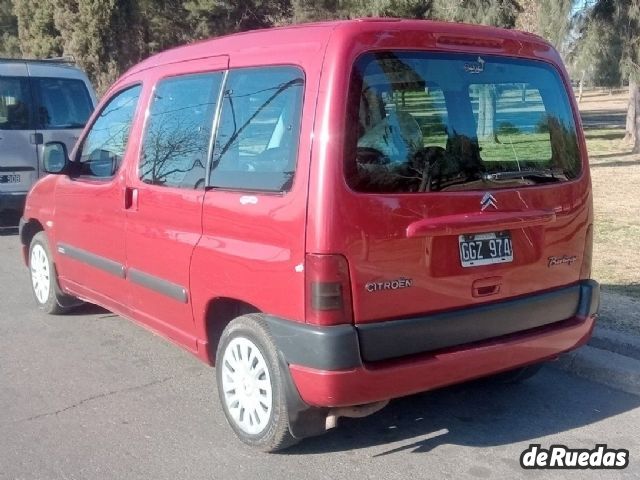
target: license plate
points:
(10, 178)
(485, 248)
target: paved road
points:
(92, 396)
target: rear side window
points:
(178, 133)
(257, 140)
(106, 142)
(15, 104)
(444, 122)
(61, 103)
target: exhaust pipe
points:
(356, 411)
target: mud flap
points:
(304, 420)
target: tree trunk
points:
(636, 143)
(486, 130)
(630, 133)
(581, 86)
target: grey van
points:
(40, 101)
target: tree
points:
(101, 35)
(208, 18)
(610, 44)
(500, 13)
(37, 32)
(9, 43)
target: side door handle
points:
(131, 198)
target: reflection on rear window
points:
(435, 122)
(62, 103)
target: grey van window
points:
(105, 144)
(436, 122)
(61, 103)
(15, 104)
(257, 141)
(178, 132)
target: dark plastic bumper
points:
(12, 201)
(348, 346)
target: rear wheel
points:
(44, 280)
(250, 385)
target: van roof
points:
(66, 61)
(263, 40)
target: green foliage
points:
(217, 17)
(608, 44)
(9, 43)
(554, 20)
(108, 36)
(499, 13)
(36, 28)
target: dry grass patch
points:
(615, 174)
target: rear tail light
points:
(585, 269)
(328, 290)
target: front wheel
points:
(250, 385)
(44, 281)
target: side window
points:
(178, 133)
(15, 103)
(62, 103)
(257, 141)
(106, 142)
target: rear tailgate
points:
(468, 187)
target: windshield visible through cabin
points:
(444, 122)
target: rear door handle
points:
(131, 198)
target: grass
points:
(615, 174)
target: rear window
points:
(62, 103)
(56, 103)
(444, 122)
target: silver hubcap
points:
(246, 384)
(40, 273)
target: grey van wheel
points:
(250, 385)
(44, 279)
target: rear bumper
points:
(12, 201)
(327, 368)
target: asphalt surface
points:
(93, 396)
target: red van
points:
(334, 214)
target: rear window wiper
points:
(527, 173)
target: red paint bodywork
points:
(221, 247)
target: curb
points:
(616, 342)
(611, 358)
(603, 366)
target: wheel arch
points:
(219, 313)
(28, 230)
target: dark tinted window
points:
(429, 122)
(15, 104)
(257, 140)
(104, 146)
(178, 133)
(61, 103)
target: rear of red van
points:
(450, 212)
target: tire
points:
(251, 385)
(516, 376)
(44, 279)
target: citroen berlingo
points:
(333, 214)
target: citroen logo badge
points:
(487, 201)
